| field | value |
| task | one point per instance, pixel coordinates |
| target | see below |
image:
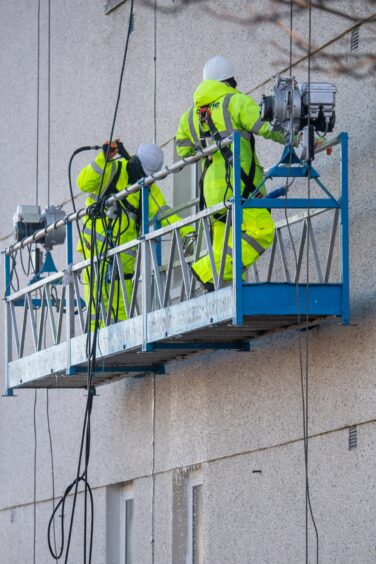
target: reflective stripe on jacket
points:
(230, 111)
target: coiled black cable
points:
(92, 338)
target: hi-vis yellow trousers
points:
(257, 236)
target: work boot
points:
(208, 286)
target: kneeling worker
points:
(220, 109)
(121, 222)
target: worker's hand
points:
(189, 243)
(113, 149)
(319, 141)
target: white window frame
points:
(127, 494)
(195, 479)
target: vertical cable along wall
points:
(155, 71)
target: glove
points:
(113, 149)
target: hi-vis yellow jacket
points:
(126, 228)
(230, 111)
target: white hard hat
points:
(151, 157)
(218, 68)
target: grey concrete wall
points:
(230, 412)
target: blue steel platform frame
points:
(299, 299)
(261, 299)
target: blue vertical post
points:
(145, 266)
(69, 244)
(69, 299)
(237, 219)
(345, 228)
(157, 225)
(8, 324)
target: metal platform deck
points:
(208, 324)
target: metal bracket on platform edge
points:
(113, 369)
(243, 346)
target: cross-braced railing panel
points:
(309, 247)
(41, 308)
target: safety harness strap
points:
(111, 187)
(128, 208)
(205, 117)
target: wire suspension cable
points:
(36, 202)
(52, 465)
(49, 105)
(306, 417)
(153, 469)
(155, 72)
(35, 476)
(153, 375)
(291, 30)
(37, 109)
(303, 367)
(130, 29)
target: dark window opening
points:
(354, 39)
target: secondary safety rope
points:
(36, 203)
(304, 367)
(306, 380)
(52, 464)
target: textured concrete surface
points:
(231, 412)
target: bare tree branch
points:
(278, 12)
(361, 65)
(322, 5)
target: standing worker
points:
(120, 222)
(219, 110)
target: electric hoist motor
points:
(29, 219)
(290, 106)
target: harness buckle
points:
(204, 113)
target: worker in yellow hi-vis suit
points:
(121, 223)
(219, 110)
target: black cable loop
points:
(91, 346)
(51, 446)
(33, 236)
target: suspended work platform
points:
(301, 279)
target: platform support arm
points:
(8, 323)
(345, 228)
(145, 266)
(237, 218)
(69, 298)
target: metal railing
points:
(53, 310)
